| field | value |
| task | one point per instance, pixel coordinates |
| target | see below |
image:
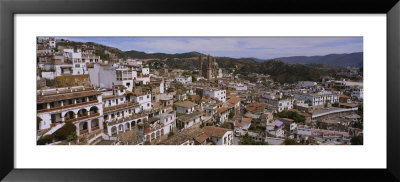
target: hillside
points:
(143, 55)
(352, 59)
(99, 49)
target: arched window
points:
(95, 124)
(113, 130)
(83, 126)
(82, 112)
(69, 115)
(94, 110)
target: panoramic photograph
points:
(199, 90)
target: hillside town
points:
(91, 96)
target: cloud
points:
(260, 47)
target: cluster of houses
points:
(124, 102)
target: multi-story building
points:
(215, 93)
(79, 105)
(357, 93)
(119, 113)
(317, 99)
(219, 136)
(184, 79)
(143, 98)
(184, 107)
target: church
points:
(211, 69)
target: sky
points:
(236, 47)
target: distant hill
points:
(143, 55)
(351, 59)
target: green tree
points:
(292, 115)
(68, 129)
(72, 136)
(248, 140)
(252, 128)
(358, 125)
(218, 119)
(231, 115)
(226, 125)
(45, 140)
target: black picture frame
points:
(8, 8)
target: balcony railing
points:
(95, 128)
(81, 132)
(67, 106)
(83, 117)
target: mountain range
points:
(352, 59)
(342, 60)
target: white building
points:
(184, 80)
(304, 84)
(276, 129)
(124, 77)
(185, 107)
(143, 99)
(169, 121)
(317, 98)
(240, 87)
(358, 93)
(79, 105)
(215, 93)
(91, 58)
(219, 136)
(186, 121)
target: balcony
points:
(67, 106)
(95, 128)
(81, 132)
(83, 117)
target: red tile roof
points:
(247, 120)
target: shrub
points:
(248, 140)
(231, 114)
(292, 115)
(170, 134)
(45, 140)
(252, 128)
(146, 143)
(226, 125)
(68, 129)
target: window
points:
(148, 96)
(140, 98)
(148, 105)
(77, 65)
